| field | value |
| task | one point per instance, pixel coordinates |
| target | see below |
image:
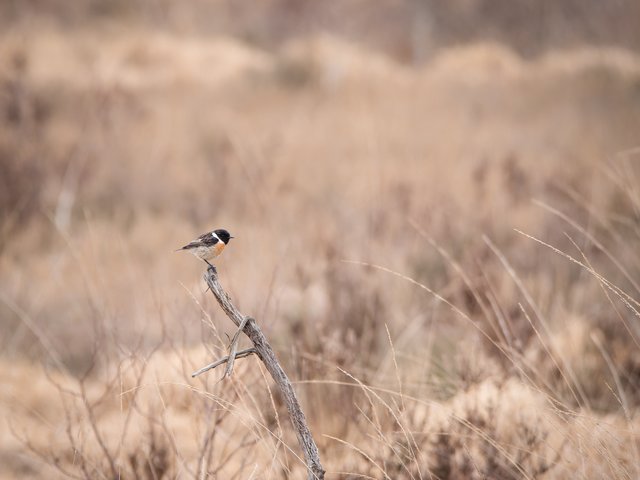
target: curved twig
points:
(217, 363)
(264, 351)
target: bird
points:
(208, 245)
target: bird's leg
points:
(212, 267)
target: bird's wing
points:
(204, 240)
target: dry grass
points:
(463, 350)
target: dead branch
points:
(232, 354)
(264, 351)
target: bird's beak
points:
(232, 237)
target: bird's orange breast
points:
(218, 248)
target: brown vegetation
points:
(384, 216)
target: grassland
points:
(445, 256)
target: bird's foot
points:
(211, 267)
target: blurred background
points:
(436, 207)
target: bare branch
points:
(217, 363)
(234, 347)
(262, 348)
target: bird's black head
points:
(223, 235)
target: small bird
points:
(208, 245)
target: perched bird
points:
(208, 245)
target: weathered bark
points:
(268, 357)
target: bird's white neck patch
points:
(216, 236)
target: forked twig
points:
(231, 358)
(233, 348)
(232, 354)
(264, 351)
